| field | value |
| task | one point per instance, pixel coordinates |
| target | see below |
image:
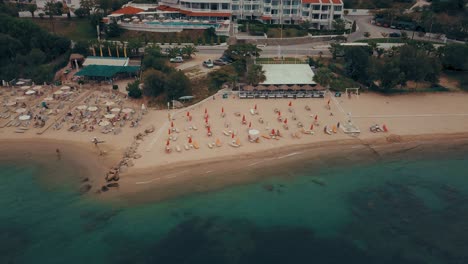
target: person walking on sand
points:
(57, 151)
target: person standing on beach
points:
(57, 151)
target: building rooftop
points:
(129, 10)
(109, 61)
(289, 74)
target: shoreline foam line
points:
(418, 115)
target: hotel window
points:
(306, 5)
(274, 3)
(214, 7)
(337, 8)
(274, 11)
(336, 16)
(225, 6)
(295, 2)
(316, 7)
(287, 12)
(305, 13)
(294, 11)
(324, 17)
(325, 8)
(287, 3)
(315, 16)
(267, 9)
(235, 7)
(267, 1)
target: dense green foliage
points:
(159, 78)
(133, 90)
(28, 51)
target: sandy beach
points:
(202, 159)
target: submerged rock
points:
(268, 187)
(85, 188)
(114, 184)
(104, 188)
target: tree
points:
(367, 34)
(323, 76)
(32, 8)
(335, 49)
(356, 63)
(81, 12)
(86, 6)
(81, 47)
(177, 85)
(255, 74)
(242, 51)
(104, 5)
(134, 90)
(354, 26)
(154, 82)
(113, 30)
(226, 74)
(134, 46)
(189, 50)
(174, 51)
(306, 25)
(455, 56)
(339, 24)
(53, 9)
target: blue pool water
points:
(183, 24)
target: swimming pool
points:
(184, 24)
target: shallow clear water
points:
(385, 212)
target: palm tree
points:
(173, 51)
(189, 50)
(256, 74)
(32, 8)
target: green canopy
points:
(106, 71)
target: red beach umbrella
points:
(209, 129)
(167, 142)
(172, 124)
(328, 101)
(255, 107)
(222, 110)
(250, 124)
(206, 120)
(290, 103)
(188, 113)
(169, 131)
(286, 121)
(312, 127)
(232, 135)
(279, 113)
(243, 118)
(190, 140)
(272, 131)
(316, 117)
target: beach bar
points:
(284, 81)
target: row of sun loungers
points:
(278, 95)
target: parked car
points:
(394, 35)
(208, 64)
(219, 62)
(177, 59)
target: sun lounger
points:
(266, 136)
(210, 145)
(178, 148)
(194, 128)
(186, 147)
(334, 129)
(19, 131)
(327, 131)
(233, 144)
(226, 133)
(285, 126)
(195, 145)
(218, 143)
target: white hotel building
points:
(320, 13)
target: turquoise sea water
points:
(384, 212)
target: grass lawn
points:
(74, 29)
(287, 32)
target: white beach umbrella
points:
(20, 98)
(104, 123)
(127, 19)
(37, 88)
(115, 110)
(58, 92)
(134, 17)
(24, 117)
(20, 83)
(20, 110)
(109, 103)
(81, 107)
(127, 110)
(109, 116)
(65, 88)
(150, 16)
(206, 21)
(30, 92)
(196, 21)
(145, 20)
(26, 87)
(11, 103)
(48, 99)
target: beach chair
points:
(218, 143)
(195, 145)
(327, 131)
(285, 126)
(186, 147)
(210, 145)
(178, 149)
